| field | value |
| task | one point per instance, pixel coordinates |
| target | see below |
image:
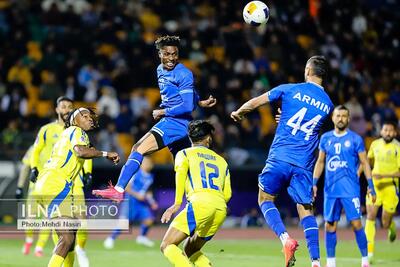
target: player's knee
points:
(66, 242)
(357, 225)
(263, 197)
(385, 224)
(330, 227)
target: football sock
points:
(144, 229)
(330, 244)
(330, 262)
(370, 233)
(29, 236)
(55, 261)
(176, 257)
(115, 233)
(273, 218)
(42, 239)
(81, 237)
(129, 169)
(200, 260)
(361, 241)
(311, 233)
(69, 260)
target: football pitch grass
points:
(224, 253)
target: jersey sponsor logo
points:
(335, 163)
(312, 102)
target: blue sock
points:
(129, 169)
(311, 233)
(115, 233)
(272, 217)
(330, 243)
(144, 229)
(362, 241)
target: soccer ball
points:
(256, 13)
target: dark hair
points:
(63, 98)
(319, 66)
(199, 129)
(342, 107)
(167, 40)
(92, 112)
(390, 122)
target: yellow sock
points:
(81, 238)
(43, 237)
(176, 257)
(54, 236)
(69, 260)
(29, 235)
(56, 261)
(200, 260)
(370, 233)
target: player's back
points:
(305, 107)
(63, 159)
(342, 161)
(207, 173)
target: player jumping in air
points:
(384, 155)
(305, 106)
(178, 100)
(204, 176)
(55, 182)
(340, 152)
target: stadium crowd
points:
(102, 53)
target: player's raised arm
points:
(249, 106)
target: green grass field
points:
(232, 253)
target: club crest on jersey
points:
(347, 143)
(335, 163)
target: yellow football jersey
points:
(87, 168)
(45, 140)
(63, 159)
(199, 169)
(386, 158)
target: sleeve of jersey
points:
(186, 91)
(38, 146)
(79, 137)
(360, 145)
(88, 166)
(227, 186)
(322, 144)
(276, 93)
(181, 170)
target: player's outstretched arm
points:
(90, 153)
(249, 106)
(362, 156)
(318, 169)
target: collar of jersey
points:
(317, 85)
(339, 135)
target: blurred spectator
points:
(50, 88)
(124, 121)
(10, 136)
(357, 122)
(139, 104)
(108, 102)
(107, 140)
(14, 102)
(252, 219)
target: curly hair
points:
(200, 129)
(167, 40)
(92, 112)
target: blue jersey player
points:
(305, 106)
(178, 100)
(139, 205)
(341, 151)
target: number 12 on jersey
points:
(307, 128)
(208, 183)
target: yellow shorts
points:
(54, 194)
(387, 195)
(201, 218)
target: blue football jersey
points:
(142, 181)
(305, 106)
(341, 163)
(174, 84)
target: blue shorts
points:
(277, 174)
(135, 210)
(333, 208)
(173, 132)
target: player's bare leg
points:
(370, 229)
(388, 223)
(192, 248)
(361, 241)
(169, 247)
(63, 249)
(274, 221)
(311, 234)
(145, 146)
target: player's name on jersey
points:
(206, 156)
(312, 102)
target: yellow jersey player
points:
(45, 140)
(384, 155)
(55, 182)
(204, 176)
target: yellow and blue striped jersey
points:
(199, 169)
(386, 158)
(63, 159)
(45, 140)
